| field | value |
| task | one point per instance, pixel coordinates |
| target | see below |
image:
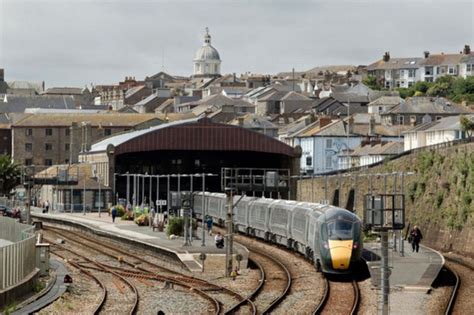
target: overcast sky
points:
(78, 42)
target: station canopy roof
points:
(198, 134)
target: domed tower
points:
(207, 62)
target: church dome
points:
(207, 52)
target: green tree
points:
(9, 174)
(467, 124)
(371, 82)
(422, 87)
(406, 92)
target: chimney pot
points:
(386, 56)
(467, 49)
(426, 54)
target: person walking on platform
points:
(416, 238)
(152, 216)
(114, 214)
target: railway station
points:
(224, 183)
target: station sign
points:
(161, 202)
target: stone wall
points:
(438, 185)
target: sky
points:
(79, 42)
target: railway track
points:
(460, 270)
(155, 271)
(339, 298)
(108, 301)
(274, 283)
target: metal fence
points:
(17, 260)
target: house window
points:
(29, 162)
(402, 73)
(66, 161)
(309, 161)
(29, 132)
(398, 83)
(29, 147)
(48, 162)
(48, 146)
(438, 117)
(401, 120)
(411, 73)
(410, 83)
(328, 143)
(428, 79)
(328, 161)
(68, 131)
(469, 67)
(67, 146)
(451, 70)
(107, 132)
(380, 109)
(48, 131)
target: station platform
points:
(411, 276)
(413, 270)
(130, 231)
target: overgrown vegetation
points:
(175, 226)
(447, 183)
(456, 89)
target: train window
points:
(339, 230)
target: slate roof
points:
(218, 100)
(446, 123)
(384, 148)
(427, 105)
(293, 96)
(25, 85)
(104, 120)
(442, 59)
(252, 121)
(386, 100)
(396, 63)
(63, 91)
(18, 103)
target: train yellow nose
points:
(340, 253)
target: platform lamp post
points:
(384, 213)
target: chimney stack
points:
(324, 121)
(2, 75)
(426, 54)
(386, 56)
(241, 121)
(371, 125)
(350, 125)
(466, 50)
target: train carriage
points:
(258, 217)
(216, 207)
(241, 213)
(279, 221)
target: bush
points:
(175, 226)
(120, 210)
(439, 200)
(142, 220)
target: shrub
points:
(175, 226)
(439, 200)
(142, 220)
(412, 190)
(466, 199)
(120, 210)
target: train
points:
(330, 237)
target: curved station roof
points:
(198, 134)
